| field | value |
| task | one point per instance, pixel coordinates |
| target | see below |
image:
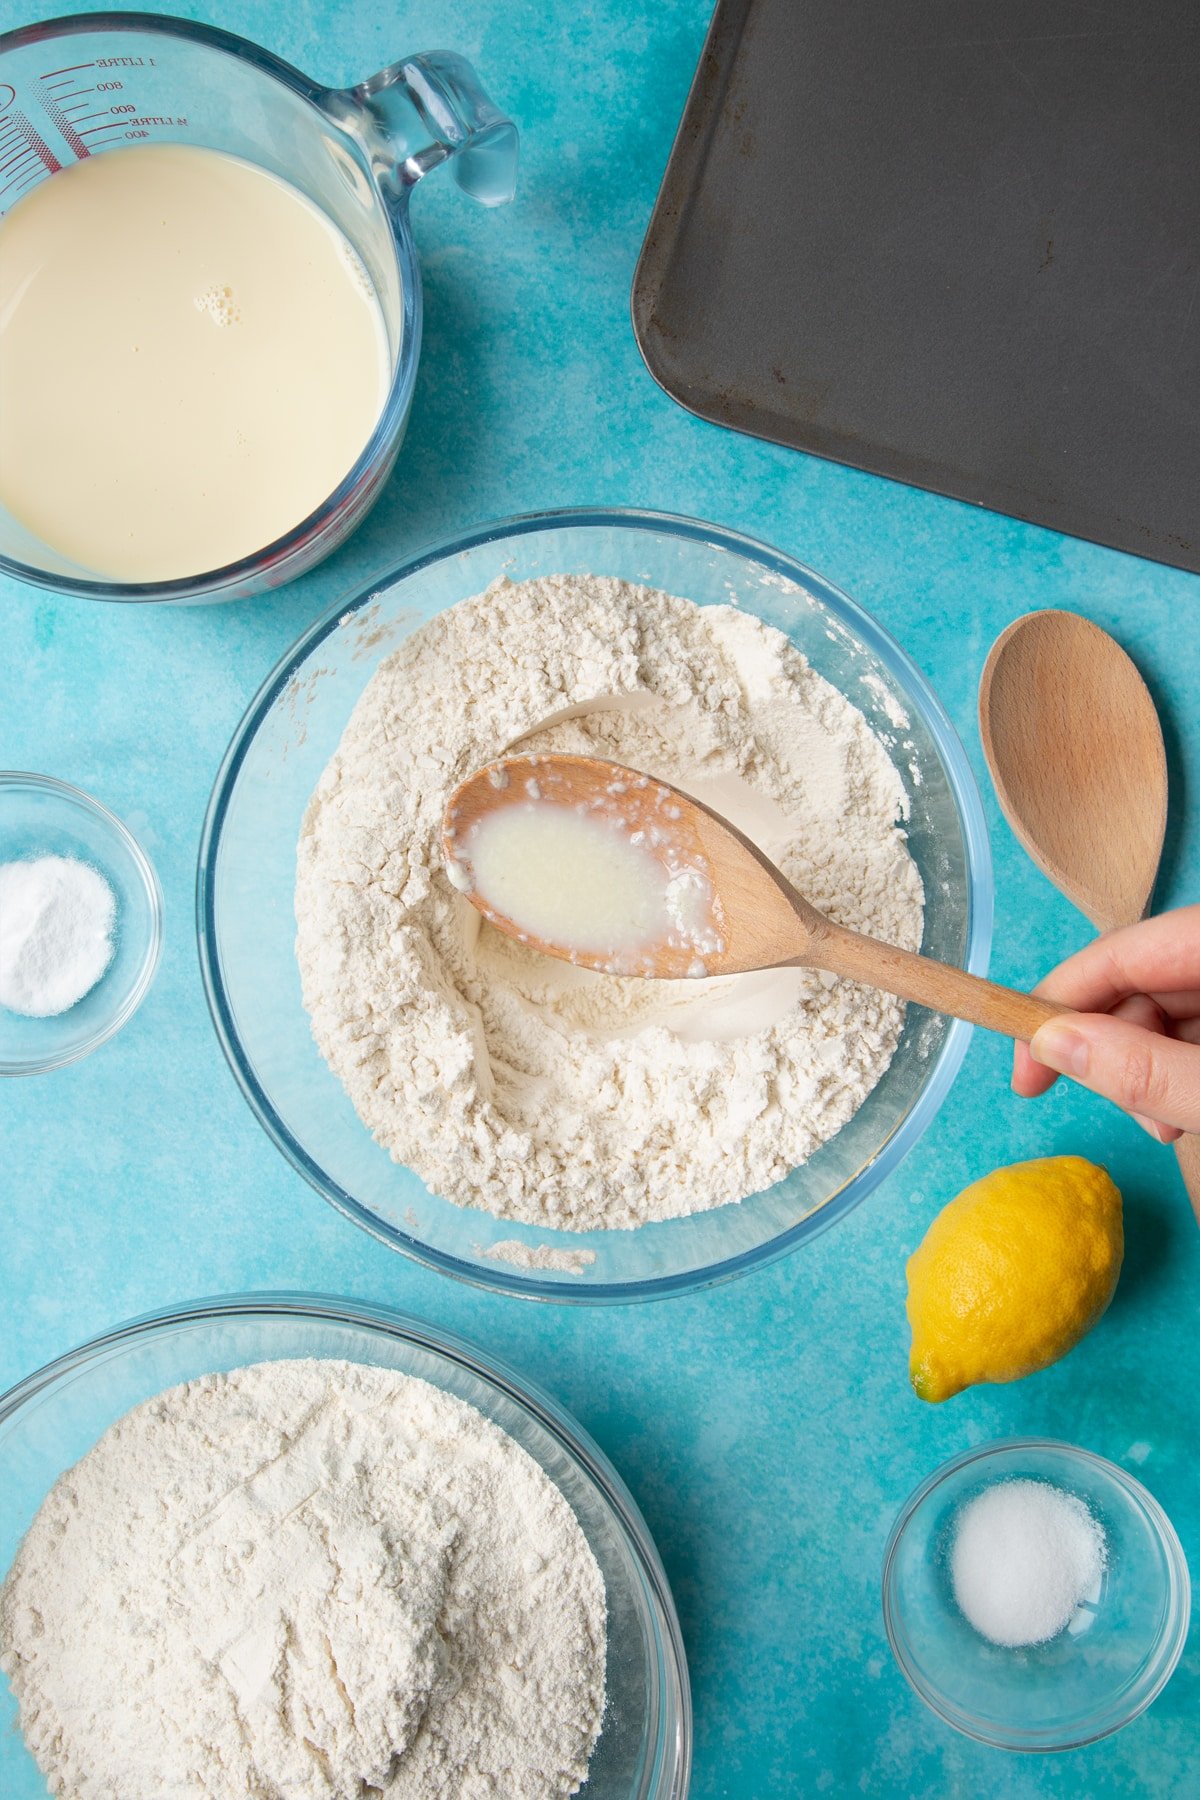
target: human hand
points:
(1138, 1039)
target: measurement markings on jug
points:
(24, 155)
(53, 93)
(62, 96)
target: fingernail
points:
(1167, 1134)
(1060, 1047)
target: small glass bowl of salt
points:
(80, 924)
(1035, 1596)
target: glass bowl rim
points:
(211, 582)
(64, 790)
(673, 1694)
(1173, 1638)
(979, 901)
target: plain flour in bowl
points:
(306, 1580)
(549, 1094)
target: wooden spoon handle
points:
(930, 983)
(1187, 1149)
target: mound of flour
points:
(550, 1094)
(306, 1581)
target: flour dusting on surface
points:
(550, 1094)
(538, 1256)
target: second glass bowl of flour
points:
(523, 1124)
(350, 1547)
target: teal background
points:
(766, 1428)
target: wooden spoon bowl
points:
(1075, 747)
(762, 921)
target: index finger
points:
(1159, 956)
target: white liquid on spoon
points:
(581, 882)
(191, 359)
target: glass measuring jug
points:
(87, 85)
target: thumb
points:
(1157, 1077)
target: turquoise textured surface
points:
(766, 1428)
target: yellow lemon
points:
(1012, 1274)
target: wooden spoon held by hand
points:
(1075, 747)
(618, 872)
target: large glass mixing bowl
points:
(247, 927)
(53, 1417)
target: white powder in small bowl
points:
(56, 922)
(1026, 1556)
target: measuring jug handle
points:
(431, 109)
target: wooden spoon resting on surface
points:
(759, 920)
(1075, 747)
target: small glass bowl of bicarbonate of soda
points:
(1035, 1595)
(80, 924)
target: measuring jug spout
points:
(431, 109)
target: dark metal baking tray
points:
(954, 242)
